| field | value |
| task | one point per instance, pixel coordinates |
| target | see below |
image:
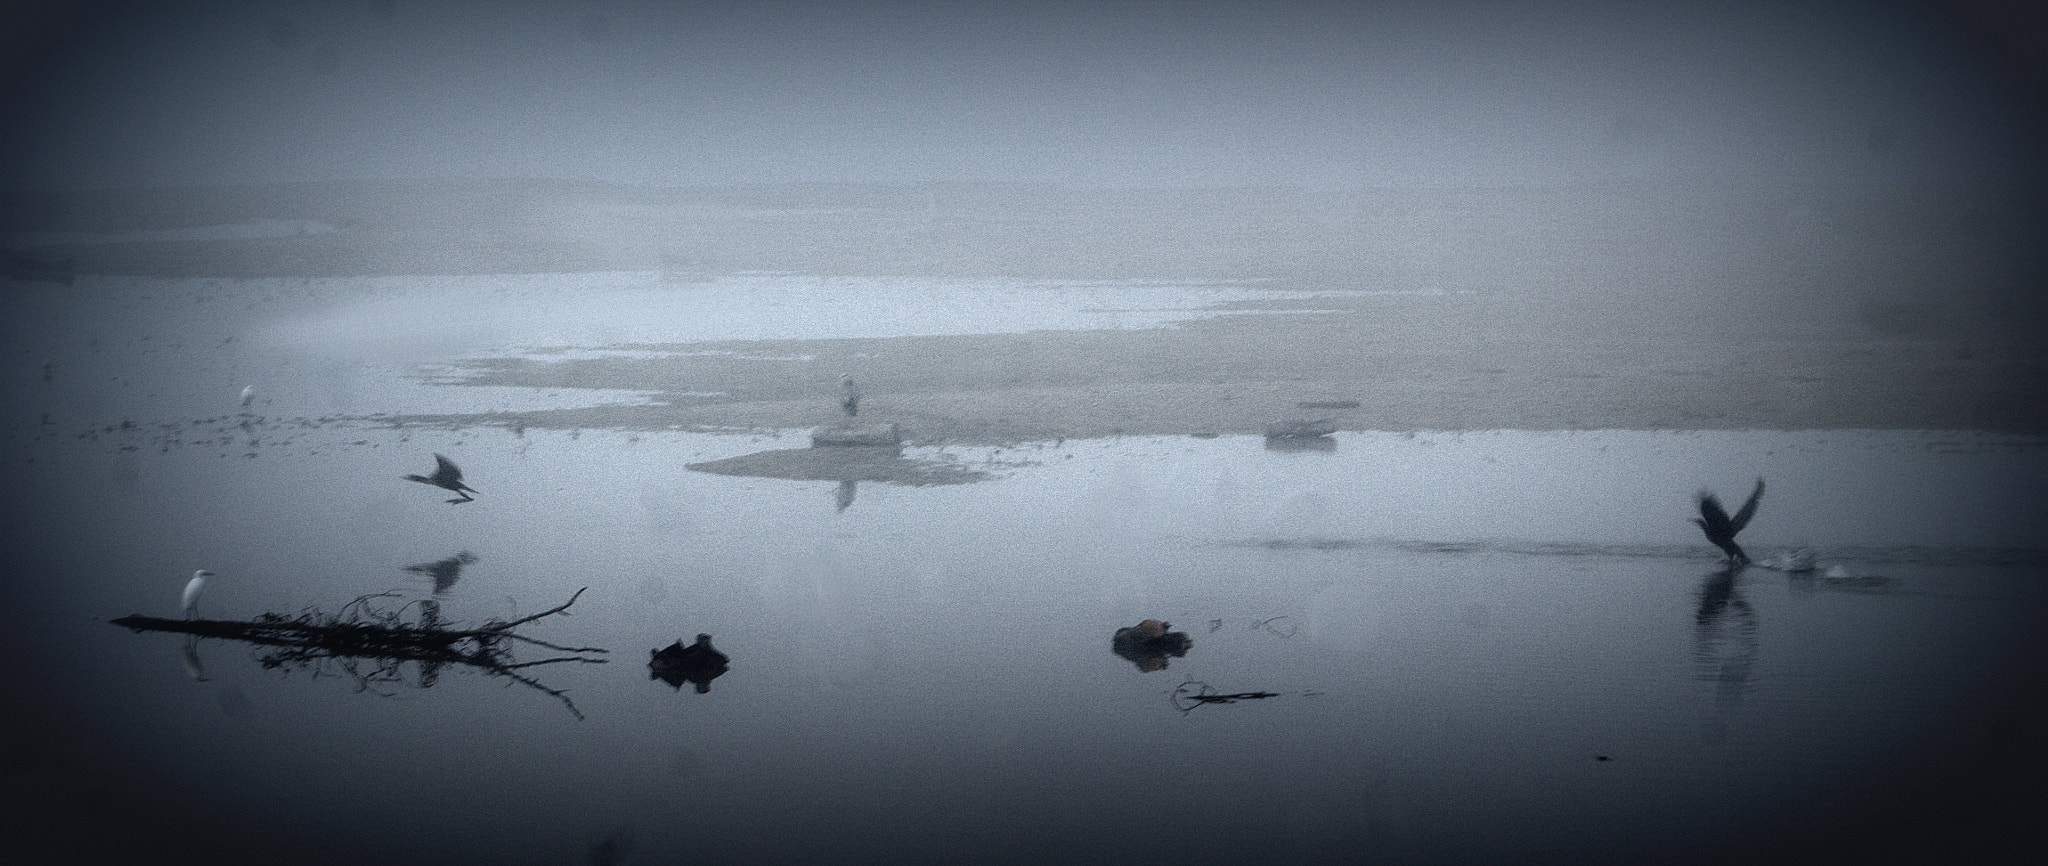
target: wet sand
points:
(1236, 375)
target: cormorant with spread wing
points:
(1720, 528)
(448, 477)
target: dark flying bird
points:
(1720, 528)
(447, 476)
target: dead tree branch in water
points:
(1195, 693)
(370, 644)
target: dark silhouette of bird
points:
(849, 395)
(1720, 528)
(447, 476)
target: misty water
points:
(1469, 645)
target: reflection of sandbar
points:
(846, 463)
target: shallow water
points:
(1457, 629)
(1502, 645)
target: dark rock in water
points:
(698, 663)
(1296, 428)
(839, 435)
(1148, 644)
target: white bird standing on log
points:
(193, 588)
(849, 395)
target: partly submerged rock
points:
(699, 664)
(1149, 643)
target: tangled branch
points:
(370, 644)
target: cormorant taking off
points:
(447, 476)
(1720, 528)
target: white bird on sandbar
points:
(192, 590)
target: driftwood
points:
(1195, 693)
(369, 644)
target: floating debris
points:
(1195, 693)
(370, 644)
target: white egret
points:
(193, 589)
(248, 395)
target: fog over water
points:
(1322, 94)
(1279, 432)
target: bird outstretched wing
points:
(446, 470)
(1748, 508)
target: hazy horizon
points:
(1323, 96)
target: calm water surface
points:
(1492, 645)
(1457, 629)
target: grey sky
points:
(1333, 94)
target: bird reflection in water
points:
(1724, 636)
(193, 666)
(445, 572)
(1149, 644)
(697, 664)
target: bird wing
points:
(1748, 508)
(1716, 519)
(446, 470)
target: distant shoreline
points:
(1606, 306)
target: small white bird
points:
(248, 395)
(193, 589)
